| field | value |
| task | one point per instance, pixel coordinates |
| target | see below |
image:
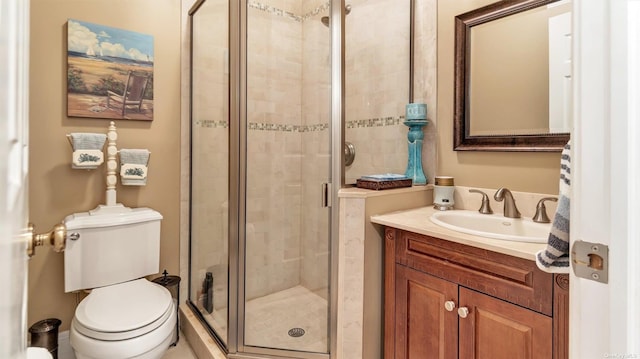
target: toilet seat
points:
(152, 345)
(123, 311)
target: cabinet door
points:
(495, 329)
(424, 328)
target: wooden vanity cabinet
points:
(447, 300)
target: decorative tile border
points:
(288, 128)
(212, 124)
(274, 11)
(375, 122)
(324, 7)
(256, 126)
(279, 12)
(366, 123)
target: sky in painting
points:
(100, 40)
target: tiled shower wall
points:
(316, 115)
(274, 70)
(377, 85)
(288, 134)
(288, 152)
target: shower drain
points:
(296, 332)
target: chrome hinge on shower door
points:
(326, 195)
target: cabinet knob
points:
(463, 312)
(449, 305)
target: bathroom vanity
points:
(453, 295)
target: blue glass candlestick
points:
(416, 119)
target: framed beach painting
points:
(109, 72)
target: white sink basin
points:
(493, 226)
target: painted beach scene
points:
(109, 72)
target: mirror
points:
(513, 76)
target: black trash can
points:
(172, 283)
(44, 334)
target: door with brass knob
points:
(56, 238)
(14, 170)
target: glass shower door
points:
(209, 266)
(286, 262)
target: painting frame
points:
(110, 72)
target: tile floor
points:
(180, 351)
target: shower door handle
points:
(326, 195)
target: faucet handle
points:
(486, 207)
(541, 210)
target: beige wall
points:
(55, 190)
(527, 172)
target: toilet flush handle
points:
(57, 238)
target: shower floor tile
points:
(269, 319)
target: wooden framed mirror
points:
(512, 77)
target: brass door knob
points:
(56, 238)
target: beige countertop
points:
(417, 221)
(355, 192)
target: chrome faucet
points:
(510, 209)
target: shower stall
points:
(267, 143)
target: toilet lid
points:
(124, 307)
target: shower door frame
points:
(234, 345)
(238, 139)
(233, 193)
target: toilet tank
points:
(109, 246)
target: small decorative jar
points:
(443, 193)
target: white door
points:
(14, 69)
(604, 318)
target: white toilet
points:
(110, 250)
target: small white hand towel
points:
(88, 141)
(555, 257)
(87, 150)
(134, 166)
